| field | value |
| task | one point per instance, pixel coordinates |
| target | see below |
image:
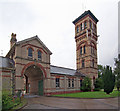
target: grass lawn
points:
(95, 94)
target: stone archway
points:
(36, 64)
(34, 79)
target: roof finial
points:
(83, 5)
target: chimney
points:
(13, 40)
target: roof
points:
(28, 39)
(32, 38)
(6, 62)
(84, 14)
(9, 63)
(63, 70)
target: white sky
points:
(52, 20)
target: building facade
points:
(33, 72)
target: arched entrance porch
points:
(34, 79)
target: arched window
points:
(30, 52)
(39, 55)
(77, 29)
(92, 50)
(95, 28)
(93, 63)
(84, 49)
(90, 23)
(80, 50)
(81, 27)
(85, 23)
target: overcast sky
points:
(52, 20)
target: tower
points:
(13, 40)
(86, 44)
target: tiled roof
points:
(62, 70)
(6, 62)
(83, 15)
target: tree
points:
(108, 79)
(100, 70)
(86, 84)
(99, 81)
(98, 84)
(117, 71)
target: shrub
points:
(9, 101)
(118, 84)
(19, 93)
(6, 101)
(86, 84)
(117, 71)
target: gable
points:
(34, 42)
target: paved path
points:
(70, 103)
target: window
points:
(80, 82)
(30, 52)
(95, 28)
(83, 63)
(72, 82)
(69, 83)
(84, 49)
(93, 63)
(85, 23)
(93, 79)
(90, 24)
(57, 82)
(92, 50)
(80, 50)
(39, 55)
(77, 29)
(81, 26)
(87, 33)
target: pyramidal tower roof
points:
(85, 14)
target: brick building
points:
(31, 67)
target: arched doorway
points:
(34, 80)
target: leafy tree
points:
(117, 72)
(98, 84)
(86, 84)
(108, 79)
